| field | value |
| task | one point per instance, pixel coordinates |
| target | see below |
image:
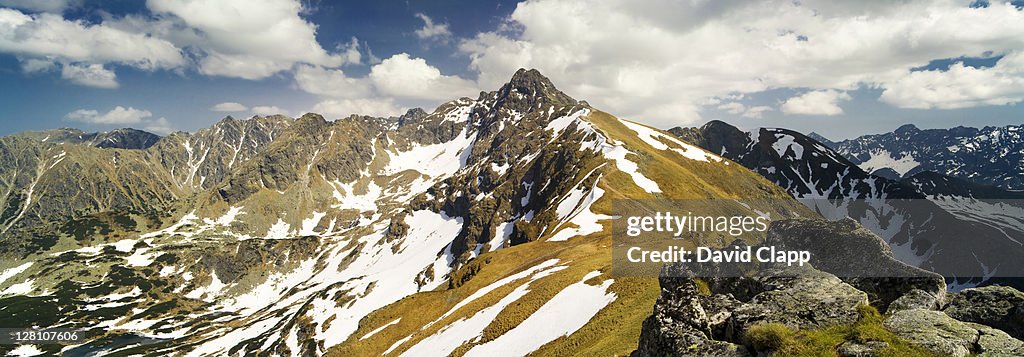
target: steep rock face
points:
(989, 156)
(202, 160)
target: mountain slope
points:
(330, 230)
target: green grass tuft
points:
(785, 341)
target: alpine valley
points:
(481, 228)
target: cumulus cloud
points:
(396, 83)
(119, 115)
(159, 126)
(659, 60)
(960, 86)
(35, 65)
(92, 75)
(431, 30)
(244, 38)
(338, 108)
(231, 38)
(268, 110)
(755, 112)
(404, 76)
(737, 108)
(332, 83)
(229, 107)
(823, 102)
(52, 37)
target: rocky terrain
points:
(812, 311)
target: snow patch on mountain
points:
(468, 329)
(882, 158)
(784, 142)
(436, 160)
(565, 313)
(655, 139)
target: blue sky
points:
(838, 69)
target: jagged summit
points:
(532, 85)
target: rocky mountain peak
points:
(907, 128)
(531, 86)
(719, 127)
(412, 115)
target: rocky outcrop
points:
(859, 257)
(944, 335)
(996, 306)
(698, 314)
(681, 326)
(710, 316)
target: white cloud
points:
(233, 38)
(268, 110)
(756, 111)
(350, 52)
(331, 83)
(92, 75)
(823, 102)
(392, 85)
(249, 39)
(159, 126)
(431, 30)
(733, 107)
(52, 37)
(737, 108)
(117, 116)
(35, 65)
(229, 107)
(41, 5)
(960, 86)
(659, 60)
(340, 108)
(404, 76)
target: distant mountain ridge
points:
(990, 155)
(124, 138)
(924, 217)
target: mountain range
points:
(989, 156)
(480, 228)
(924, 217)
